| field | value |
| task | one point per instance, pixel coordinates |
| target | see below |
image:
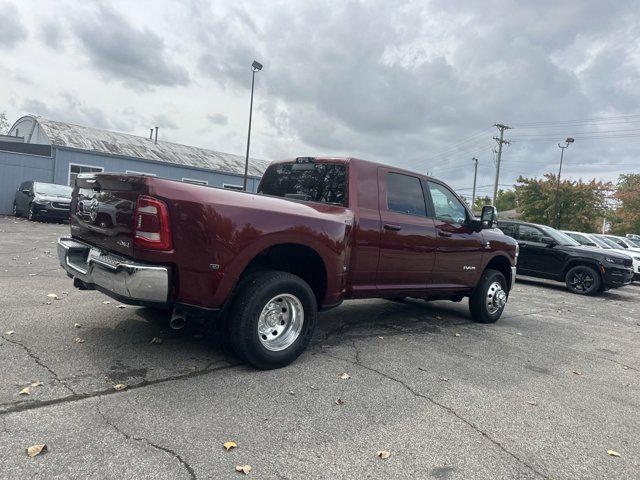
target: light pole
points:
(567, 142)
(255, 67)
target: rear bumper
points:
(119, 277)
(614, 277)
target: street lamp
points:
(255, 67)
(567, 142)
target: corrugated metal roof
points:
(113, 143)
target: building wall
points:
(65, 157)
(16, 168)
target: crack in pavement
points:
(37, 359)
(76, 397)
(448, 409)
(173, 453)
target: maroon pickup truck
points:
(319, 231)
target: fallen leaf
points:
(37, 384)
(10, 332)
(122, 306)
(25, 391)
(243, 468)
(53, 296)
(383, 454)
(229, 445)
(518, 333)
(339, 401)
(106, 302)
(532, 402)
(157, 340)
(345, 376)
(119, 386)
(577, 372)
(456, 334)
(613, 453)
(78, 340)
(77, 325)
(36, 450)
(48, 303)
(291, 392)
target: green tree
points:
(4, 124)
(626, 218)
(505, 200)
(581, 205)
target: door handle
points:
(443, 234)
(393, 227)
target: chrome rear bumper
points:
(115, 275)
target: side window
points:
(510, 229)
(404, 194)
(530, 234)
(445, 204)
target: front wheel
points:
(583, 280)
(272, 319)
(489, 298)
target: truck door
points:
(460, 249)
(407, 237)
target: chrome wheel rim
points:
(30, 213)
(15, 210)
(280, 322)
(582, 281)
(496, 298)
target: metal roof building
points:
(55, 152)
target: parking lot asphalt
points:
(544, 393)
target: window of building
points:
(232, 187)
(142, 173)
(75, 169)
(446, 205)
(405, 195)
(195, 181)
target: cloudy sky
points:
(418, 84)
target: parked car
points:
(548, 253)
(602, 242)
(320, 231)
(633, 236)
(42, 200)
(624, 243)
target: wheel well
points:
(294, 258)
(575, 263)
(502, 265)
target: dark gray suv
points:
(42, 200)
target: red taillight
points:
(151, 224)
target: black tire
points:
(256, 293)
(583, 280)
(482, 311)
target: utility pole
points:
(475, 177)
(500, 141)
(255, 67)
(556, 219)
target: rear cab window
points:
(311, 181)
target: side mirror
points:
(25, 190)
(548, 241)
(489, 216)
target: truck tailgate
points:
(102, 210)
